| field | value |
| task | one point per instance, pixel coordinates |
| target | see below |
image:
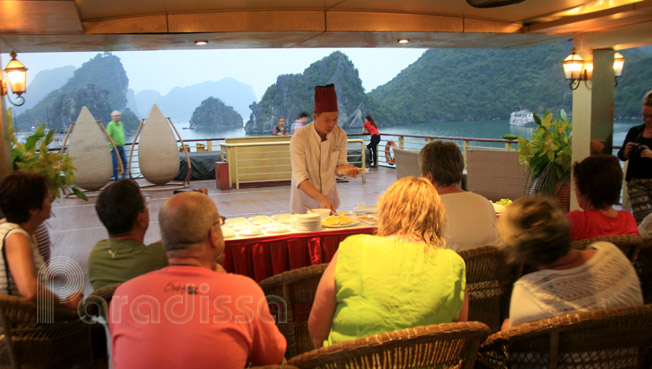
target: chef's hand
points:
(348, 170)
(325, 203)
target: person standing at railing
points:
(299, 123)
(281, 129)
(371, 128)
(318, 153)
(116, 130)
(637, 149)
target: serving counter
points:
(264, 256)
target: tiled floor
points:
(75, 227)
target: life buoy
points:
(389, 158)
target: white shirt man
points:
(318, 154)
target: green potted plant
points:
(547, 156)
(34, 156)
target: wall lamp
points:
(577, 70)
(17, 76)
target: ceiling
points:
(125, 25)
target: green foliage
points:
(213, 113)
(488, 84)
(34, 156)
(547, 156)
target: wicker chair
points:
(297, 288)
(629, 244)
(280, 366)
(643, 267)
(432, 346)
(26, 343)
(489, 281)
(611, 338)
(97, 303)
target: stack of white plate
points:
(307, 222)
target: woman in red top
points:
(598, 180)
(371, 128)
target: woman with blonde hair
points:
(399, 278)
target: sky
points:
(163, 70)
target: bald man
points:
(188, 314)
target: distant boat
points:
(521, 118)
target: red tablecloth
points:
(264, 257)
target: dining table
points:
(266, 255)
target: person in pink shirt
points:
(188, 315)
(370, 126)
(598, 180)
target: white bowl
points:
(323, 213)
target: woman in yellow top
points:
(400, 278)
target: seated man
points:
(471, 217)
(123, 211)
(187, 315)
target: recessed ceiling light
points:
(403, 41)
(201, 42)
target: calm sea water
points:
(488, 129)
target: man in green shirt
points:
(116, 131)
(123, 210)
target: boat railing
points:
(387, 143)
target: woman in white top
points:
(535, 231)
(26, 203)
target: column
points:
(593, 107)
(5, 145)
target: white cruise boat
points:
(521, 118)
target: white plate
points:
(283, 218)
(227, 233)
(354, 222)
(277, 229)
(235, 220)
(250, 232)
(260, 218)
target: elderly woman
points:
(535, 231)
(598, 180)
(471, 217)
(400, 278)
(26, 202)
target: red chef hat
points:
(325, 99)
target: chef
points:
(318, 154)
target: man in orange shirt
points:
(188, 315)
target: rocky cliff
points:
(101, 84)
(294, 93)
(213, 113)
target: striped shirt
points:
(6, 230)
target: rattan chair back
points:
(489, 282)
(32, 338)
(432, 346)
(629, 244)
(611, 338)
(281, 366)
(290, 295)
(643, 267)
(97, 303)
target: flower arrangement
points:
(547, 156)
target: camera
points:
(636, 149)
